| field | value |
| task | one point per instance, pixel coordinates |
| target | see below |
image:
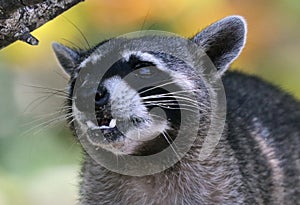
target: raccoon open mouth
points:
(104, 119)
(107, 123)
(112, 128)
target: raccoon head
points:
(139, 99)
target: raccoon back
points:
(264, 133)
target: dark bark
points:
(19, 17)
(7, 6)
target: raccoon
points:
(256, 159)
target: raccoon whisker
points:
(38, 100)
(170, 108)
(42, 99)
(167, 134)
(61, 75)
(64, 116)
(186, 109)
(80, 32)
(65, 108)
(71, 121)
(173, 102)
(43, 117)
(54, 122)
(60, 110)
(164, 83)
(186, 100)
(165, 96)
(63, 93)
(185, 91)
(46, 124)
(74, 45)
(180, 102)
(182, 105)
(169, 142)
(175, 93)
(47, 88)
(59, 95)
(158, 86)
(59, 119)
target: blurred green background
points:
(39, 159)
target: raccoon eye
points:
(102, 96)
(146, 72)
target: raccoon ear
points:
(67, 57)
(223, 41)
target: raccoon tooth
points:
(104, 127)
(112, 123)
(92, 126)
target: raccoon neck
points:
(212, 181)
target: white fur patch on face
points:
(126, 104)
(93, 58)
(125, 101)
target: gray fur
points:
(257, 160)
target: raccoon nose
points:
(102, 96)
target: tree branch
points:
(7, 6)
(19, 17)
